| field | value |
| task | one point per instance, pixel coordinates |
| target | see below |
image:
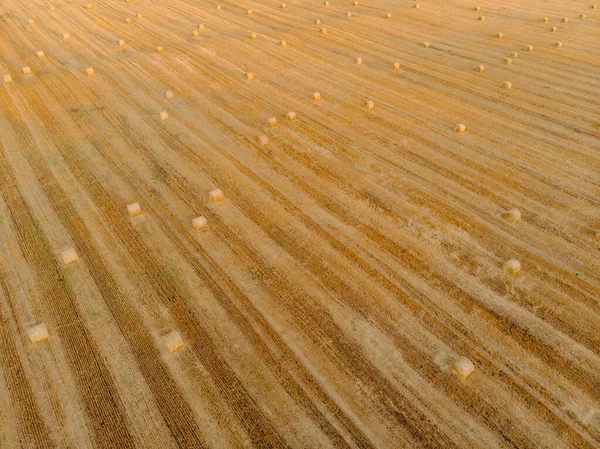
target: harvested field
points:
(310, 224)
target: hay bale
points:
(506, 85)
(53, 8)
(325, 3)
(7, 78)
(426, 45)
(31, 22)
(511, 267)
(27, 70)
(512, 215)
(323, 30)
(477, 8)
(513, 55)
(529, 48)
(89, 7)
(200, 26)
(172, 341)
(507, 61)
(89, 71)
(553, 29)
(250, 12)
(460, 127)
(66, 36)
(416, 6)
(558, 44)
(369, 104)
(316, 96)
(169, 94)
(463, 367)
(159, 49)
(262, 140)
(272, 122)
(40, 54)
(348, 14)
(216, 195)
(164, 115)
(355, 3)
(283, 43)
(199, 223)
(134, 209)
(195, 33)
(499, 35)
(479, 68)
(38, 333)
(564, 20)
(283, 6)
(253, 36)
(69, 256)
(396, 66)
(594, 6)
(249, 75)
(481, 18)
(317, 21)
(121, 42)
(545, 19)
(388, 16)
(218, 7)
(582, 16)
(358, 61)
(291, 115)
(128, 20)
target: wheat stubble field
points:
(357, 167)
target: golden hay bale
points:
(477, 8)
(7, 78)
(564, 20)
(272, 122)
(316, 96)
(31, 22)
(358, 61)
(89, 6)
(553, 29)
(396, 66)
(426, 45)
(216, 195)
(283, 43)
(369, 104)
(89, 71)
(348, 14)
(262, 139)
(253, 36)
(69, 256)
(513, 215)
(318, 21)
(479, 68)
(506, 85)
(511, 267)
(169, 94)
(481, 18)
(558, 44)
(195, 33)
(66, 36)
(499, 35)
(128, 20)
(199, 223)
(164, 115)
(388, 16)
(134, 209)
(323, 30)
(40, 54)
(27, 70)
(173, 341)
(291, 115)
(463, 367)
(513, 55)
(250, 12)
(249, 75)
(507, 61)
(416, 6)
(121, 42)
(529, 48)
(159, 49)
(545, 19)
(38, 333)
(460, 127)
